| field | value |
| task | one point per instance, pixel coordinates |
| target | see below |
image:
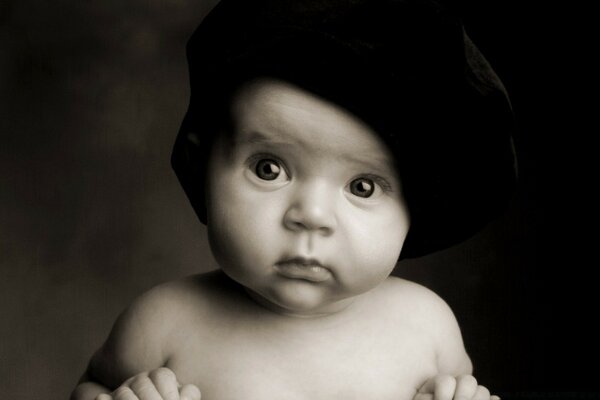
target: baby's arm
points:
(132, 358)
(454, 379)
(448, 387)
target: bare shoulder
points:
(140, 339)
(415, 300)
(429, 314)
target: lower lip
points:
(311, 272)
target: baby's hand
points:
(447, 387)
(159, 384)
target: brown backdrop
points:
(91, 215)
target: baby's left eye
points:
(267, 169)
(363, 187)
(368, 187)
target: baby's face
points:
(304, 205)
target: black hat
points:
(406, 67)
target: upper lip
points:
(302, 261)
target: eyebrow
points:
(379, 163)
(375, 161)
(256, 137)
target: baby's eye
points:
(268, 169)
(362, 187)
(369, 187)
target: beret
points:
(406, 67)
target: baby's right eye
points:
(268, 169)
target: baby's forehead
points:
(277, 113)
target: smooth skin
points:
(306, 219)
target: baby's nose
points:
(312, 208)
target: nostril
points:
(301, 222)
(311, 210)
(326, 231)
(299, 225)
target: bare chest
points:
(236, 365)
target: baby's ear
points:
(192, 138)
(192, 153)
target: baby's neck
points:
(331, 310)
(341, 309)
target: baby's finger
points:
(444, 387)
(190, 392)
(466, 386)
(482, 393)
(166, 383)
(144, 388)
(427, 387)
(494, 397)
(124, 393)
(103, 396)
(423, 396)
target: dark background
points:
(91, 215)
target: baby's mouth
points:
(307, 269)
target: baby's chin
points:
(298, 298)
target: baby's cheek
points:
(228, 239)
(376, 247)
(239, 237)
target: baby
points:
(313, 150)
